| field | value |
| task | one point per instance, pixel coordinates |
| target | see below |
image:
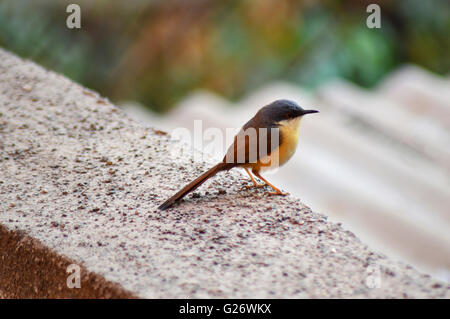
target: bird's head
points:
(284, 110)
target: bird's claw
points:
(277, 193)
(254, 186)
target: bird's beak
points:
(309, 111)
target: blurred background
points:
(377, 157)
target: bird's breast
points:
(289, 131)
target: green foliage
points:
(158, 52)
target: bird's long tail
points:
(193, 185)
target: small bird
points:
(266, 141)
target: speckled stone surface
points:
(83, 179)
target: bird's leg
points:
(277, 191)
(255, 184)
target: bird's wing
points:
(251, 144)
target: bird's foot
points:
(254, 186)
(277, 193)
